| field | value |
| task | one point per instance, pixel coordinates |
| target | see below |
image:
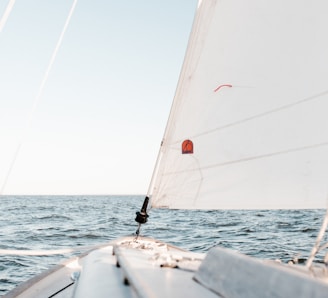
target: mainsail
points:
(248, 124)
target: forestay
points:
(248, 125)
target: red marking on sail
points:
(224, 85)
(187, 147)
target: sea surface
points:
(56, 222)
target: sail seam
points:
(246, 159)
(279, 109)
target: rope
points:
(316, 246)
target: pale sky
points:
(101, 117)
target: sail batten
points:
(252, 100)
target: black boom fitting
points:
(142, 216)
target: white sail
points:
(253, 98)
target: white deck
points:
(123, 268)
(148, 268)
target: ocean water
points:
(55, 222)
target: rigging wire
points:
(316, 248)
(6, 14)
(38, 96)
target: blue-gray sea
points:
(51, 222)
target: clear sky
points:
(99, 122)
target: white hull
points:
(149, 268)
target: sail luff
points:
(190, 62)
(170, 123)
